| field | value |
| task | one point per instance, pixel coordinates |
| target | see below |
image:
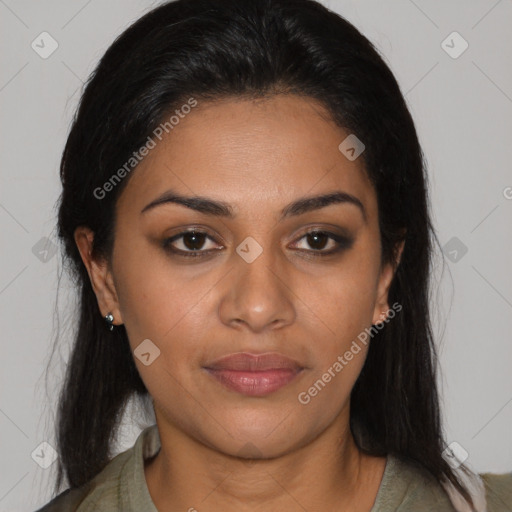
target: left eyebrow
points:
(312, 203)
(217, 208)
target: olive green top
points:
(121, 486)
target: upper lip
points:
(244, 361)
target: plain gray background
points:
(462, 108)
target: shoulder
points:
(103, 486)
(498, 491)
(113, 487)
(407, 486)
(69, 500)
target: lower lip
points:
(254, 383)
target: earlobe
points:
(99, 274)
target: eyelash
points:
(343, 242)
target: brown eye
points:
(192, 243)
(194, 240)
(318, 240)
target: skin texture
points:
(258, 156)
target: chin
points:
(259, 437)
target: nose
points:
(258, 295)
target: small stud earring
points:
(109, 318)
(382, 318)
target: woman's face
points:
(258, 283)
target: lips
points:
(254, 374)
(244, 361)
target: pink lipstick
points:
(254, 374)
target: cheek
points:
(160, 307)
(344, 299)
(326, 392)
(343, 305)
(156, 299)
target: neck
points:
(330, 472)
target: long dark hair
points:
(212, 49)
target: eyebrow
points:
(218, 208)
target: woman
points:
(245, 210)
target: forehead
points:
(252, 154)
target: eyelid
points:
(166, 244)
(344, 241)
(335, 231)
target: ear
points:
(386, 276)
(100, 275)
